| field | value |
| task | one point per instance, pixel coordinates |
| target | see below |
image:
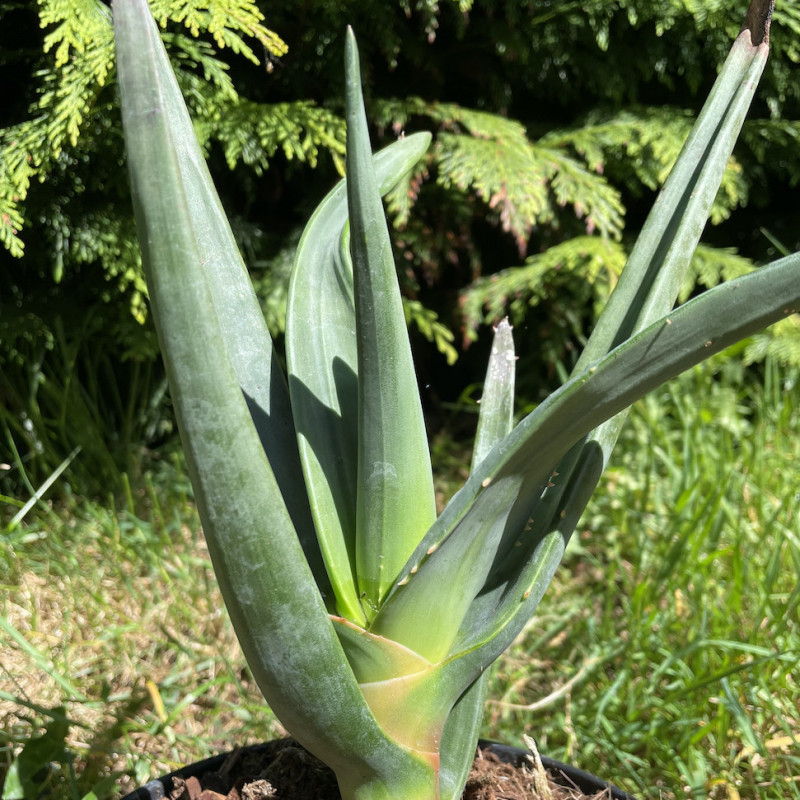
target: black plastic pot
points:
(569, 776)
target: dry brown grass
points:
(139, 652)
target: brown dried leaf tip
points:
(758, 20)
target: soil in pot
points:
(282, 770)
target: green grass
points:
(113, 620)
(674, 622)
(66, 393)
(663, 656)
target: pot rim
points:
(159, 788)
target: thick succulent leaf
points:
(241, 320)
(647, 288)
(401, 687)
(413, 710)
(396, 503)
(375, 658)
(323, 370)
(460, 739)
(657, 266)
(496, 501)
(277, 611)
(687, 336)
(446, 577)
(496, 416)
(495, 421)
(658, 262)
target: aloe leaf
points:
(323, 370)
(375, 658)
(495, 421)
(647, 288)
(496, 416)
(657, 265)
(396, 503)
(241, 320)
(403, 691)
(465, 566)
(497, 499)
(460, 738)
(267, 585)
(688, 335)
(400, 686)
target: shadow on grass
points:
(40, 761)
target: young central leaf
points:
(395, 504)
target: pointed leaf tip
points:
(396, 502)
(350, 44)
(496, 417)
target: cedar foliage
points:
(554, 124)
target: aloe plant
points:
(368, 622)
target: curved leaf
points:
(496, 502)
(396, 503)
(241, 320)
(647, 288)
(323, 370)
(656, 268)
(269, 590)
(495, 421)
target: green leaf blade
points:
(647, 289)
(396, 503)
(660, 259)
(653, 275)
(227, 462)
(704, 326)
(495, 421)
(323, 371)
(496, 416)
(242, 324)
(505, 487)
(271, 594)
(462, 570)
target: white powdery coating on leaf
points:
(383, 469)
